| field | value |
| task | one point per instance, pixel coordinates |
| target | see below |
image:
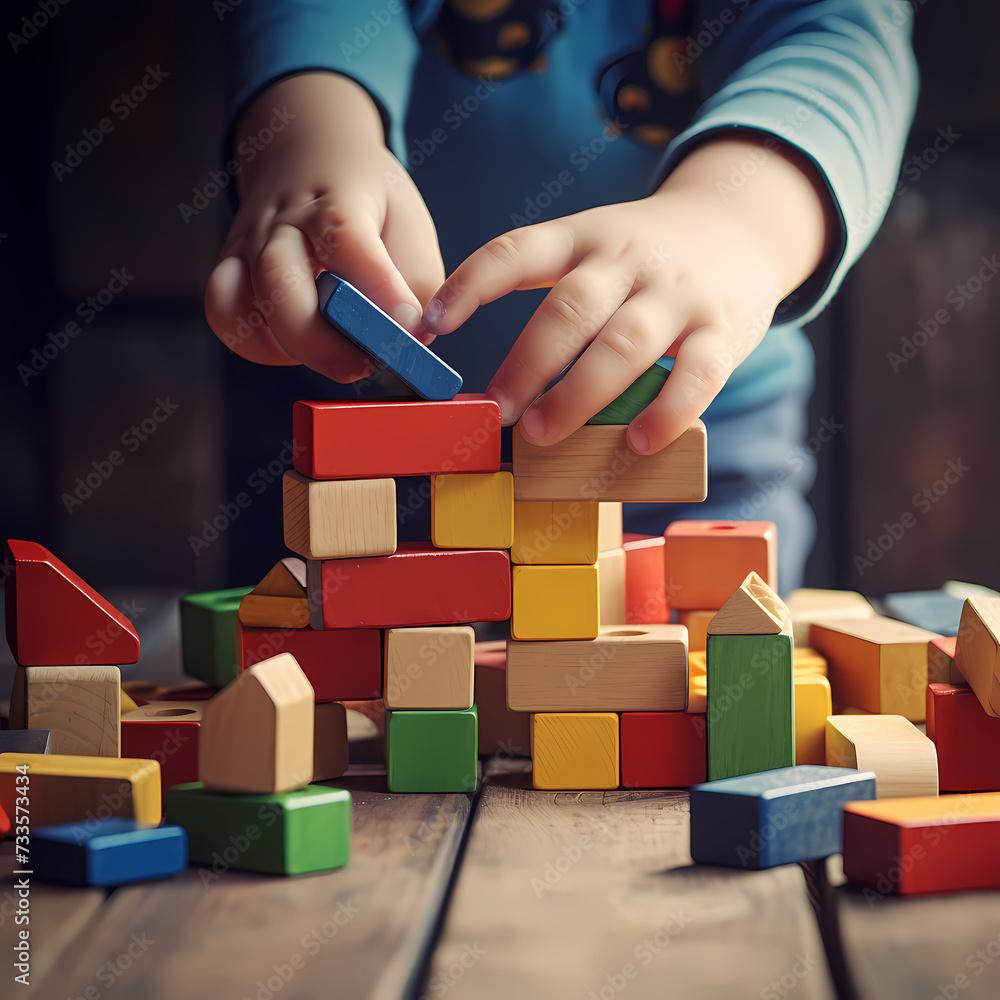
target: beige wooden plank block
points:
(977, 650)
(754, 609)
(611, 585)
(330, 745)
(339, 519)
(472, 510)
(807, 605)
(429, 667)
(596, 463)
(610, 534)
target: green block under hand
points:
(751, 708)
(636, 397)
(208, 635)
(432, 751)
(308, 830)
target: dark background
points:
(61, 239)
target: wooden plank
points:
(361, 931)
(583, 894)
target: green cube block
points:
(751, 707)
(432, 751)
(208, 635)
(636, 397)
(308, 830)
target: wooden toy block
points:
(257, 732)
(167, 732)
(753, 609)
(501, 731)
(609, 527)
(813, 703)
(125, 703)
(751, 712)
(555, 602)
(624, 669)
(626, 407)
(575, 750)
(779, 817)
(706, 561)
(417, 585)
(876, 664)
(697, 694)
(354, 315)
(696, 622)
(915, 846)
(611, 586)
(697, 662)
(5, 824)
(808, 661)
(111, 851)
(808, 605)
(903, 759)
(596, 463)
(941, 667)
(335, 439)
(933, 610)
(330, 747)
(25, 741)
(473, 510)
(662, 749)
(287, 833)
(432, 751)
(339, 519)
(70, 789)
(78, 705)
(977, 651)
(340, 664)
(55, 618)
(208, 647)
(429, 668)
(554, 533)
(966, 738)
(645, 582)
(279, 600)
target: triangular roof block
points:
(279, 600)
(754, 609)
(55, 619)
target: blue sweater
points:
(492, 151)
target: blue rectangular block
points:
(108, 852)
(774, 817)
(384, 340)
(25, 740)
(933, 610)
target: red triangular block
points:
(56, 619)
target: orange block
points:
(645, 586)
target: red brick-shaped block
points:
(663, 749)
(967, 740)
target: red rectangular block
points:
(967, 740)
(166, 732)
(663, 749)
(417, 585)
(645, 581)
(343, 439)
(341, 665)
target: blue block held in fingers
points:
(358, 318)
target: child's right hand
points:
(324, 194)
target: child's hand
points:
(684, 272)
(324, 193)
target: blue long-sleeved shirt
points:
(833, 78)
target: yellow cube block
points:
(808, 661)
(813, 703)
(472, 510)
(575, 750)
(555, 602)
(550, 533)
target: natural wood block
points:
(78, 705)
(432, 751)
(552, 533)
(596, 463)
(167, 732)
(429, 668)
(813, 703)
(876, 664)
(808, 661)
(808, 605)
(501, 731)
(473, 510)
(966, 738)
(977, 652)
(707, 560)
(339, 519)
(208, 646)
(279, 600)
(645, 582)
(65, 788)
(903, 759)
(696, 623)
(948, 844)
(753, 609)
(575, 750)
(610, 534)
(697, 694)
(636, 668)
(330, 746)
(257, 732)
(662, 749)
(555, 602)
(941, 667)
(611, 586)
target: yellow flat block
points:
(430, 668)
(808, 661)
(472, 510)
(555, 602)
(697, 626)
(611, 584)
(575, 750)
(555, 532)
(812, 706)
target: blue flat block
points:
(384, 340)
(24, 741)
(774, 817)
(933, 610)
(108, 852)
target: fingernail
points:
(638, 440)
(534, 424)
(433, 314)
(506, 404)
(226, 275)
(407, 316)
